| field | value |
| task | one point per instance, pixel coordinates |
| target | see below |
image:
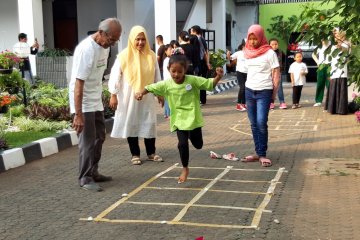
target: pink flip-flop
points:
(230, 157)
(214, 155)
(265, 162)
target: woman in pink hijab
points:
(261, 86)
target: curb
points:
(38, 149)
(221, 87)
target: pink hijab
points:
(250, 52)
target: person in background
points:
(135, 67)
(182, 92)
(241, 75)
(323, 72)
(204, 64)
(261, 86)
(85, 90)
(184, 40)
(167, 76)
(298, 71)
(160, 53)
(22, 49)
(274, 43)
(174, 43)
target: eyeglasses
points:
(110, 39)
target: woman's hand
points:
(113, 102)
(138, 96)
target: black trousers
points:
(203, 70)
(297, 94)
(135, 149)
(196, 139)
(241, 78)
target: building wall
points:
(268, 11)
(9, 24)
(197, 15)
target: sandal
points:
(214, 155)
(135, 160)
(251, 158)
(155, 158)
(265, 162)
(230, 157)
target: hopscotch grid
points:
(192, 203)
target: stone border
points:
(17, 157)
(221, 87)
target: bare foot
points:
(184, 174)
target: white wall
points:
(218, 24)
(245, 17)
(165, 28)
(197, 15)
(9, 24)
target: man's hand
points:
(78, 123)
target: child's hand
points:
(220, 72)
(138, 96)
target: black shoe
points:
(102, 178)
(92, 186)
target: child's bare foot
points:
(184, 174)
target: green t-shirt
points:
(184, 100)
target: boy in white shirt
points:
(298, 71)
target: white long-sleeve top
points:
(133, 118)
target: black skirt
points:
(337, 97)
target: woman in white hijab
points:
(134, 68)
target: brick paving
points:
(42, 200)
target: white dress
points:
(133, 118)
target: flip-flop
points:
(265, 162)
(135, 160)
(250, 158)
(155, 158)
(230, 157)
(214, 155)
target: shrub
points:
(27, 124)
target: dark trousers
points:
(135, 149)
(297, 94)
(91, 140)
(196, 139)
(241, 78)
(203, 70)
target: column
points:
(165, 19)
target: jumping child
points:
(183, 92)
(298, 71)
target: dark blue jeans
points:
(258, 105)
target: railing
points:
(285, 1)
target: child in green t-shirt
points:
(183, 95)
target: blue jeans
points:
(166, 109)
(281, 90)
(258, 105)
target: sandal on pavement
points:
(155, 158)
(214, 155)
(230, 157)
(251, 158)
(265, 162)
(135, 160)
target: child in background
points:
(298, 71)
(274, 43)
(166, 73)
(241, 74)
(183, 93)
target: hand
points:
(228, 54)
(35, 45)
(161, 100)
(209, 66)
(113, 102)
(220, 72)
(78, 123)
(138, 96)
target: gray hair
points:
(105, 24)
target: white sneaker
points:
(317, 104)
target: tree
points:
(318, 24)
(283, 28)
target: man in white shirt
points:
(85, 89)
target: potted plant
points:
(217, 59)
(7, 61)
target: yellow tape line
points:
(138, 189)
(223, 180)
(210, 190)
(200, 194)
(265, 202)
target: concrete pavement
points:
(316, 197)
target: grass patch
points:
(17, 139)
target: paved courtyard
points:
(310, 192)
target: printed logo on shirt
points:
(101, 63)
